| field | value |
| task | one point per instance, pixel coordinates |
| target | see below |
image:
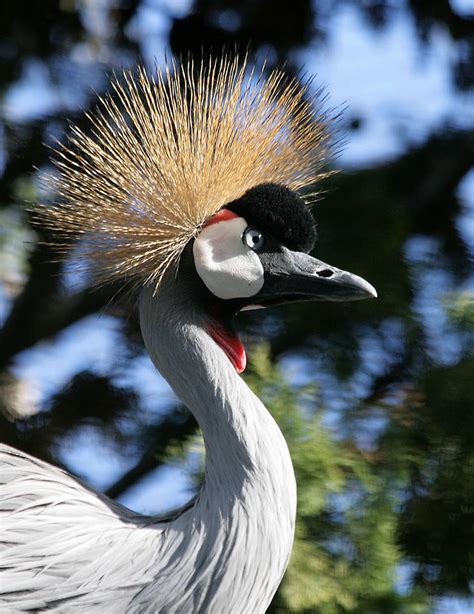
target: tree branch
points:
(173, 431)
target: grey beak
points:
(296, 276)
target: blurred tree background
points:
(376, 398)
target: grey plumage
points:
(66, 548)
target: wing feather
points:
(64, 546)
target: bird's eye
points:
(253, 238)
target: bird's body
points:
(225, 553)
(191, 191)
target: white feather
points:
(228, 268)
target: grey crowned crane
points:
(187, 185)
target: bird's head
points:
(253, 253)
(197, 169)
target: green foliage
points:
(15, 242)
(460, 307)
(345, 554)
(429, 447)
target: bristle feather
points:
(165, 154)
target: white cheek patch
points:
(228, 268)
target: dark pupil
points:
(256, 238)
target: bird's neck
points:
(249, 481)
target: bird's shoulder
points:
(57, 533)
(29, 485)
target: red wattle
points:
(231, 345)
(221, 216)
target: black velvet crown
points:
(281, 212)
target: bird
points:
(192, 187)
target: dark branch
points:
(173, 431)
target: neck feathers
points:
(246, 508)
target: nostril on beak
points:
(325, 273)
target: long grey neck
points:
(249, 484)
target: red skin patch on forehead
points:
(221, 216)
